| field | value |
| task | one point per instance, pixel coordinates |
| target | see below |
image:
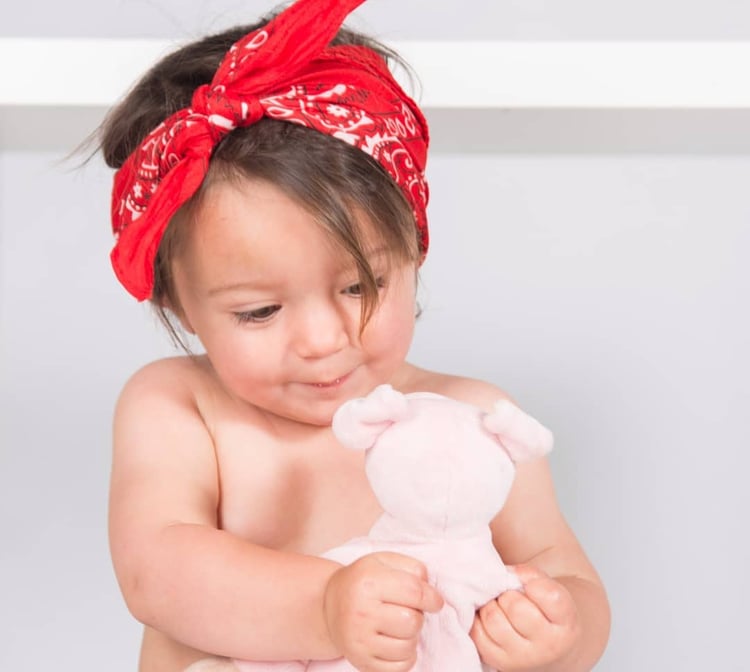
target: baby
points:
(270, 200)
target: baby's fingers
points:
(396, 649)
(407, 584)
(550, 596)
(494, 637)
(406, 590)
(527, 573)
(523, 615)
(493, 625)
(552, 599)
(399, 622)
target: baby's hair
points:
(338, 184)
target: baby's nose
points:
(323, 331)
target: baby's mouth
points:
(331, 383)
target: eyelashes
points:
(258, 315)
(356, 289)
(266, 313)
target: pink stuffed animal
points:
(441, 470)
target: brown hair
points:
(334, 181)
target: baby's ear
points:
(359, 422)
(523, 437)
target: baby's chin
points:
(300, 418)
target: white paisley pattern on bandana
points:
(384, 136)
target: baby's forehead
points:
(257, 226)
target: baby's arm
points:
(561, 620)
(177, 571)
(198, 584)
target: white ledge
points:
(63, 80)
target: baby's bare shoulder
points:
(161, 397)
(167, 373)
(181, 379)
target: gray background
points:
(605, 287)
(399, 19)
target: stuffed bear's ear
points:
(523, 437)
(359, 422)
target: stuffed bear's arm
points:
(468, 575)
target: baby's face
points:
(277, 306)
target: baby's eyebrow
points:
(242, 285)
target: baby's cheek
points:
(392, 326)
(392, 350)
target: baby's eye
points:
(257, 315)
(356, 289)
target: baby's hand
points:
(374, 609)
(529, 629)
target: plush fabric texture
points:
(286, 71)
(441, 470)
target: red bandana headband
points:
(287, 71)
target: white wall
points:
(605, 291)
(414, 19)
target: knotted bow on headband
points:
(287, 71)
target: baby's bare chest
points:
(306, 495)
